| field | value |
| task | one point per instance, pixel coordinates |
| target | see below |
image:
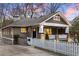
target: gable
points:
(56, 19)
(63, 19)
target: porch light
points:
(34, 29)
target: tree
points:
(25, 9)
(15, 9)
(75, 28)
(2, 14)
(75, 24)
(54, 7)
(30, 9)
(31, 6)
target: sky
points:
(70, 10)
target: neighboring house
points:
(52, 27)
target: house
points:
(4, 23)
(50, 27)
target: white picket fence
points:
(71, 49)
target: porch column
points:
(57, 36)
(75, 38)
(68, 35)
(41, 31)
(1, 33)
(68, 38)
(12, 36)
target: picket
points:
(66, 48)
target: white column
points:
(68, 35)
(67, 30)
(41, 31)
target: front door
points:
(34, 33)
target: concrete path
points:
(18, 50)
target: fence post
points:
(74, 49)
(78, 48)
(56, 46)
(66, 48)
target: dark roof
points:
(29, 21)
(6, 22)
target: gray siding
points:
(59, 22)
(7, 33)
(17, 31)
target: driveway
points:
(19, 50)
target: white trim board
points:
(55, 24)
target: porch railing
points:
(65, 48)
(62, 37)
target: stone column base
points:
(70, 40)
(42, 36)
(57, 38)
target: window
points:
(61, 31)
(48, 31)
(23, 30)
(57, 18)
(54, 31)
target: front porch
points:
(54, 33)
(51, 32)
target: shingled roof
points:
(29, 21)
